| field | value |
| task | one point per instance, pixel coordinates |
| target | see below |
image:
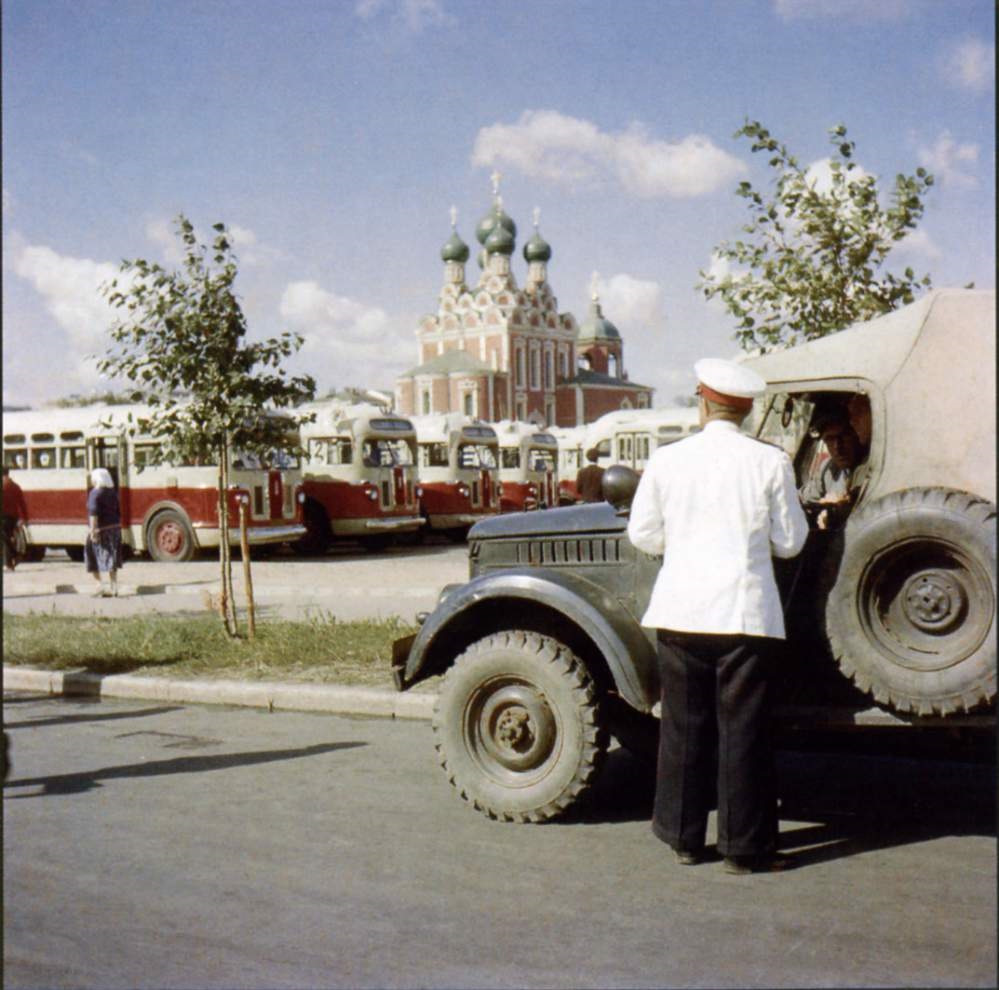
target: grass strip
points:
(320, 649)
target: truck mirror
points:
(618, 485)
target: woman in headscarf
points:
(103, 549)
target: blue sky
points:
(333, 136)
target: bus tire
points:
(169, 537)
(317, 531)
(911, 616)
(75, 554)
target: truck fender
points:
(617, 635)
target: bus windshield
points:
(476, 455)
(387, 453)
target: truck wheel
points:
(517, 727)
(911, 615)
(169, 537)
(75, 554)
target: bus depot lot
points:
(347, 582)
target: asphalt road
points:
(154, 846)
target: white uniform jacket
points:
(717, 505)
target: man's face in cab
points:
(842, 444)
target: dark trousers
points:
(715, 742)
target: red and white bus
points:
(167, 510)
(570, 460)
(359, 475)
(629, 436)
(458, 472)
(528, 470)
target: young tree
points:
(180, 336)
(814, 259)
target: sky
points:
(333, 137)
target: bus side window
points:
(42, 458)
(73, 457)
(15, 458)
(510, 457)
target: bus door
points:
(109, 452)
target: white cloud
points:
(346, 342)
(414, 14)
(632, 304)
(546, 144)
(950, 161)
(853, 10)
(70, 290)
(819, 175)
(918, 244)
(969, 64)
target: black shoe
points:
(740, 866)
(689, 857)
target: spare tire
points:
(911, 614)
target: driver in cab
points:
(830, 493)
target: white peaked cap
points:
(729, 378)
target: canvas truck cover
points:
(930, 371)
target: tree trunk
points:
(244, 546)
(228, 603)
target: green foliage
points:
(814, 259)
(180, 336)
(107, 398)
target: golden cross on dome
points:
(495, 177)
(537, 216)
(454, 217)
(595, 286)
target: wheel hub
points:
(515, 728)
(169, 538)
(934, 601)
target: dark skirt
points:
(104, 554)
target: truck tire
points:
(911, 615)
(517, 727)
(169, 537)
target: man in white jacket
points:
(718, 505)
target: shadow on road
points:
(103, 717)
(839, 797)
(77, 783)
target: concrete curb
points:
(274, 696)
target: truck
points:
(891, 616)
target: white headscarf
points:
(101, 478)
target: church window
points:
(549, 369)
(520, 368)
(535, 368)
(425, 404)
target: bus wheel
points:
(75, 554)
(518, 728)
(169, 537)
(317, 532)
(911, 617)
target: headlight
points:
(532, 489)
(463, 491)
(419, 492)
(372, 494)
(499, 490)
(301, 498)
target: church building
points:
(495, 351)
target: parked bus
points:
(167, 510)
(528, 470)
(571, 457)
(458, 472)
(359, 475)
(629, 436)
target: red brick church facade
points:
(496, 351)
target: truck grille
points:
(593, 550)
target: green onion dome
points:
(537, 249)
(500, 240)
(597, 326)
(455, 249)
(496, 216)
